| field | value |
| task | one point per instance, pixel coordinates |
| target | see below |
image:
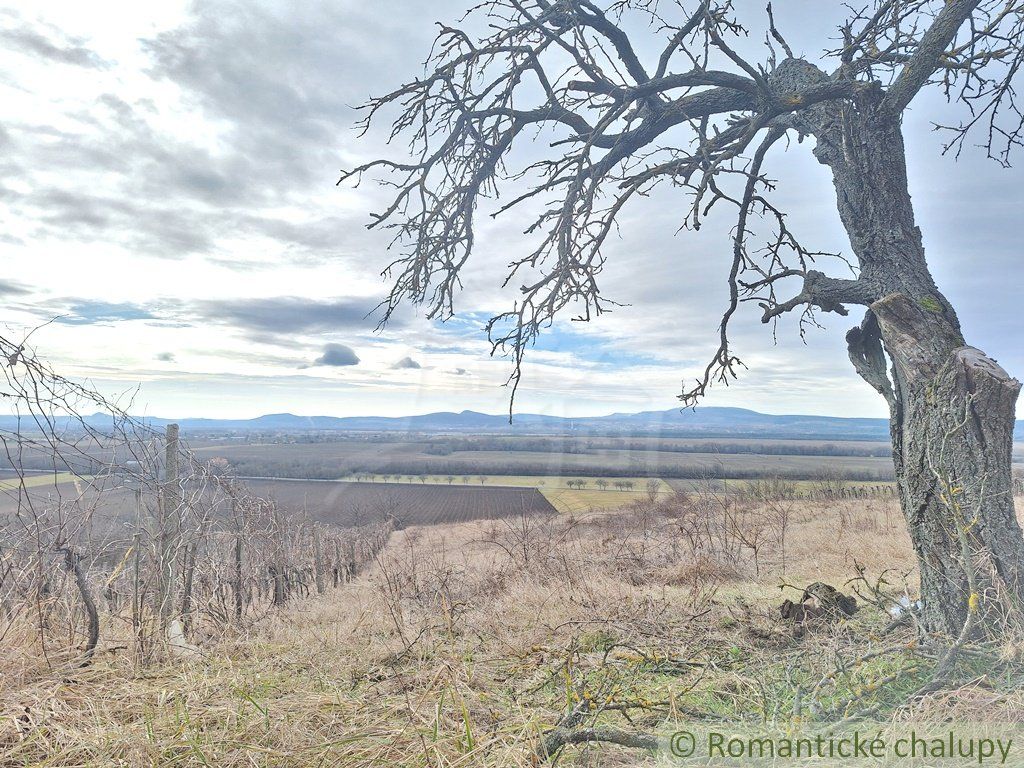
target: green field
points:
(38, 481)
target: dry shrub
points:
(492, 629)
(699, 572)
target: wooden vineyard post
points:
(168, 528)
(318, 560)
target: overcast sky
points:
(167, 190)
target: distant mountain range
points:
(702, 422)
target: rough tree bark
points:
(952, 408)
(952, 419)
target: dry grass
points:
(467, 641)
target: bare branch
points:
(924, 62)
(569, 70)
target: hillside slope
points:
(467, 643)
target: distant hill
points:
(702, 422)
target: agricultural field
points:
(362, 498)
(335, 503)
(565, 493)
(349, 502)
(9, 480)
(106, 511)
(799, 487)
(346, 504)
(345, 455)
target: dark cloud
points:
(264, 320)
(152, 228)
(315, 235)
(153, 192)
(289, 314)
(34, 43)
(166, 357)
(268, 75)
(337, 355)
(161, 196)
(11, 288)
(406, 362)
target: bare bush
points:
(114, 536)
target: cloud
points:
(148, 227)
(406, 362)
(129, 178)
(166, 357)
(10, 288)
(34, 43)
(290, 314)
(268, 72)
(222, 145)
(267, 320)
(337, 355)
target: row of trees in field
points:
(401, 470)
(419, 477)
(448, 445)
(131, 540)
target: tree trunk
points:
(951, 407)
(952, 419)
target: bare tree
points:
(701, 116)
(653, 487)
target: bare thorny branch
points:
(702, 117)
